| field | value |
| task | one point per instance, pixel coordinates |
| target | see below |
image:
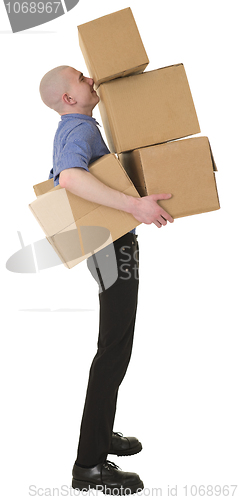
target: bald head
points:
(67, 90)
(53, 85)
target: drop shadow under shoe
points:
(123, 446)
(106, 478)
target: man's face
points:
(81, 89)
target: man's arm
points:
(82, 183)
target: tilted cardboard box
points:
(184, 168)
(146, 109)
(77, 228)
(112, 46)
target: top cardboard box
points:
(77, 228)
(112, 46)
(150, 108)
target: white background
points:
(180, 394)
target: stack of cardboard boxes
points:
(144, 114)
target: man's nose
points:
(90, 81)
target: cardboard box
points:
(112, 46)
(184, 168)
(77, 228)
(146, 109)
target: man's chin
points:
(94, 93)
(97, 101)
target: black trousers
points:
(118, 304)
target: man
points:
(78, 143)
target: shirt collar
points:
(79, 116)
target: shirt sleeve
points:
(51, 174)
(76, 152)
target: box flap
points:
(43, 187)
(213, 161)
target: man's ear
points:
(68, 99)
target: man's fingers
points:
(157, 223)
(162, 196)
(165, 215)
(162, 220)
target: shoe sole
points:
(107, 490)
(125, 453)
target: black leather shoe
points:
(123, 446)
(107, 478)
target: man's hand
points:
(147, 210)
